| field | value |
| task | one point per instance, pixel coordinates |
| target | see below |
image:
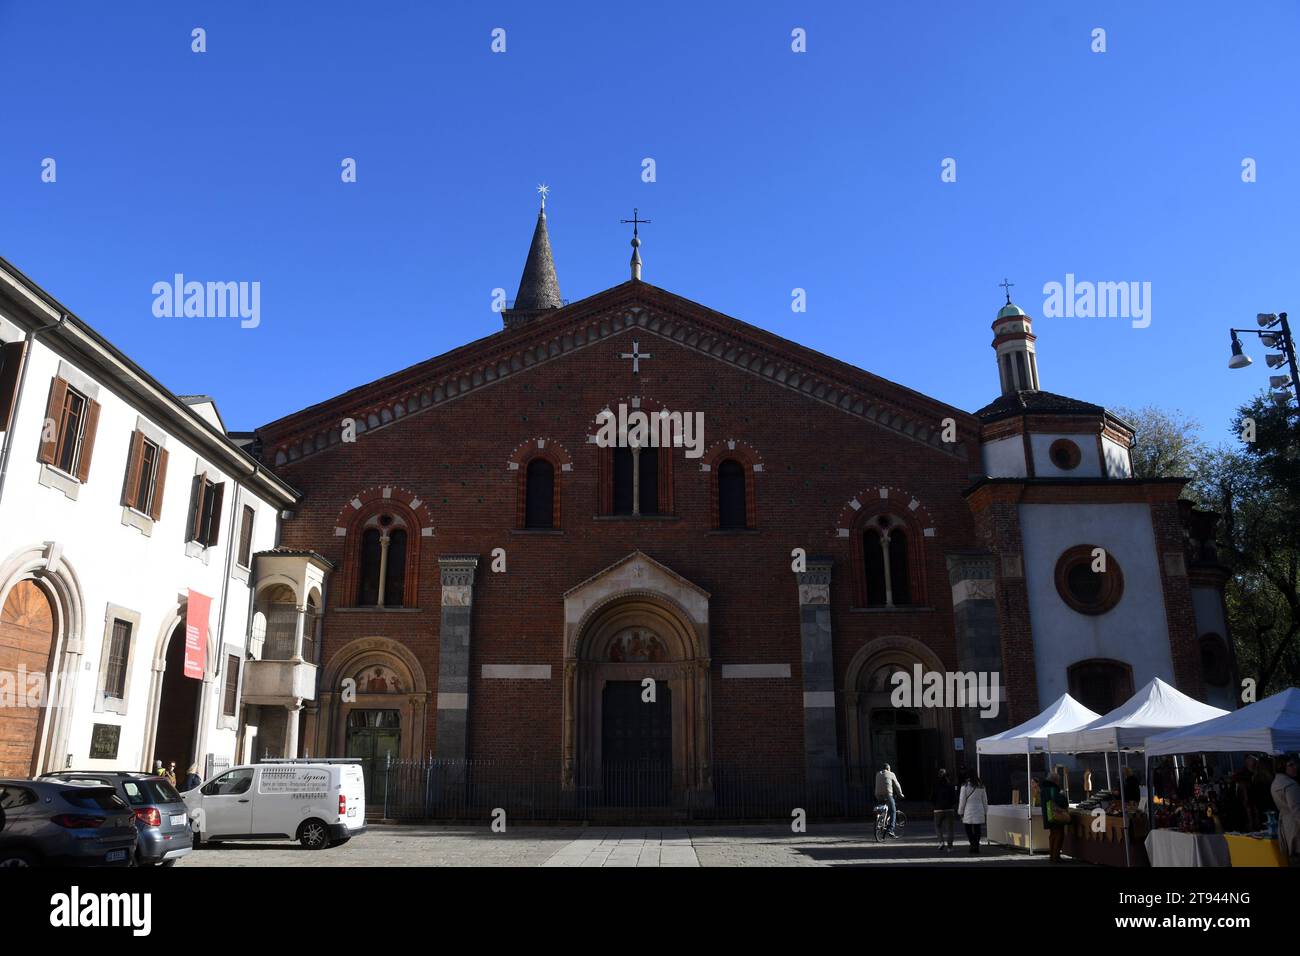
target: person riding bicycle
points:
(887, 787)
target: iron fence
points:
(449, 790)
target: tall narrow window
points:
(873, 562)
(205, 514)
(900, 589)
(395, 569)
(69, 436)
(648, 468)
(368, 587)
(731, 495)
(539, 507)
(230, 691)
(119, 649)
(624, 462)
(11, 356)
(246, 537)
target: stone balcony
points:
(279, 682)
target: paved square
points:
(774, 845)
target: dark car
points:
(52, 823)
(161, 817)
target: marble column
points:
(453, 655)
(978, 639)
(820, 748)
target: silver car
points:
(162, 820)
(50, 823)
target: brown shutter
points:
(196, 517)
(88, 440)
(53, 411)
(160, 483)
(216, 515)
(131, 487)
(11, 356)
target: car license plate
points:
(115, 855)
(178, 819)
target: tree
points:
(1166, 445)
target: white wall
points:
(1089, 463)
(1119, 460)
(1135, 631)
(116, 564)
(1005, 458)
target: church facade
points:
(496, 581)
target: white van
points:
(319, 804)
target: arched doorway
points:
(27, 643)
(178, 706)
(914, 741)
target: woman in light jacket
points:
(973, 809)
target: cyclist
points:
(887, 787)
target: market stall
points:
(1016, 824)
(1155, 708)
(1269, 726)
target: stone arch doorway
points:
(915, 741)
(176, 730)
(641, 751)
(27, 646)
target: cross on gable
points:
(636, 355)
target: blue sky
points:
(775, 170)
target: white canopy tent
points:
(1031, 737)
(1270, 726)
(1156, 707)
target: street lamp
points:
(1278, 337)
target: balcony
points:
(279, 682)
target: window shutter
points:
(131, 487)
(215, 523)
(160, 483)
(11, 356)
(53, 411)
(196, 516)
(88, 440)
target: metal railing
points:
(431, 789)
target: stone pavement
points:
(775, 845)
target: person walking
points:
(1286, 797)
(192, 779)
(944, 798)
(887, 787)
(1056, 813)
(973, 808)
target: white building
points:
(123, 510)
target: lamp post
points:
(1275, 332)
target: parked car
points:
(52, 823)
(162, 820)
(318, 804)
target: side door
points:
(227, 808)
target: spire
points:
(539, 288)
(636, 221)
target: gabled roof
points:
(643, 558)
(629, 305)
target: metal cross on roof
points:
(1007, 286)
(635, 221)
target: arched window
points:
(887, 563)
(731, 495)
(539, 507)
(381, 577)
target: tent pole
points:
(1029, 797)
(1106, 760)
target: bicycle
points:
(882, 821)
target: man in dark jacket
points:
(944, 798)
(1056, 813)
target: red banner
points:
(197, 609)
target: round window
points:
(1089, 579)
(1065, 454)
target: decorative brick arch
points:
(411, 701)
(903, 509)
(402, 503)
(605, 457)
(522, 456)
(752, 463)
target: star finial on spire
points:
(543, 189)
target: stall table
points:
(1008, 825)
(1107, 847)
(1175, 848)
(1247, 850)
